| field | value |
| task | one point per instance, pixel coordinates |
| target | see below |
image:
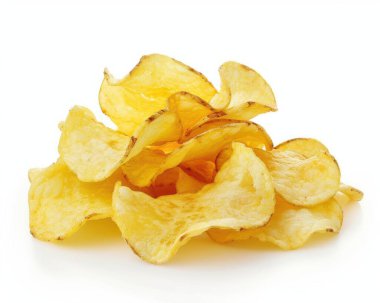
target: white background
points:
(323, 65)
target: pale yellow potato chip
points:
(241, 84)
(142, 169)
(347, 194)
(90, 149)
(242, 196)
(291, 226)
(300, 180)
(130, 101)
(59, 204)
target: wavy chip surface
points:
(142, 169)
(59, 204)
(290, 227)
(242, 196)
(130, 101)
(90, 149)
(241, 84)
(300, 180)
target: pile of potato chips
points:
(186, 159)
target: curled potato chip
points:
(130, 101)
(90, 149)
(219, 123)
(142, 169)
(162, 127)
(242, 196)
(347, 194)
(189, 108)
(291, 226)
(59, 204)
(240, 84)
(300, 180)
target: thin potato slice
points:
(189, 108)
(242, 196)
(59, 204)
(347, 194)
(162, 127)
(300, 180)
(305, 146)
(290, 227)
(90, 149)
(130, 101)
(240, 84)
(219, 123)
(245, 111)
(142, 169)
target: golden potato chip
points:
(304, 146)
(220, 123)
(142, 169)
(291, 226)
(242, 196)
(189, 108)
(347, 194)
(240, 84)
(187, 184)
(201, 170)
(59, 204)
(90, 149)
(130, 101)
(300, 180)
(162, 127)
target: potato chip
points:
(347, 194)
(130, 101)
(90, 149)
(142, 169)
(219, 123)
(304, 146)
(291, 226)
(189, 108)
(59, 204)
(242, 196)
(300, 180)
(240, 84)
(162, 127)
